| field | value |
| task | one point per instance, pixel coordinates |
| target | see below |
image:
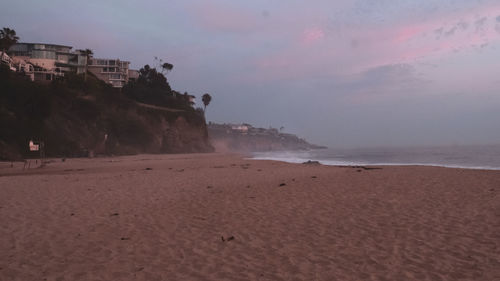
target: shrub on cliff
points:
(153, 88)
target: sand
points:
(222, 217)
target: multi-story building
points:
(133, 75)
(112, 71)
(49, 60)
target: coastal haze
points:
(342, 74)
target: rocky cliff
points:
(246, 138)
(83, 118)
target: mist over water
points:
(470, 157)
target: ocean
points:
(471, 157)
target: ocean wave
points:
(343, 160)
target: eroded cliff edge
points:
(83, 118)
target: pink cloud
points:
(379, 45)
(312, 35)
(408, 32)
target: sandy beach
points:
(224, 217)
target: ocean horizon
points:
(485, 157)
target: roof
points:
(57, 45)
(94, 58)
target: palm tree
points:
(8, 38)
(167, 66)
(206, 98)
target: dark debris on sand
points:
(311, 163)
(361, 167)
(228, 239)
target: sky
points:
(344, 73)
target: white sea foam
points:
(477, 158)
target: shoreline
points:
(223, 217)
(5, 165)
(299, 157)
(351, 164)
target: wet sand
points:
(221, 217)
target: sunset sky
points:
(339, 73)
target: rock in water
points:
(312, 163)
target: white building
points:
(49, 61)
(112, 71)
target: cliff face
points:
(128, 130)
(91, 119)
(245, 138)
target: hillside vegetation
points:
(81, 117)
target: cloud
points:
(363, 46)
(439, 32)
(312, 35)
(451, 31)
(216, 17)
(459, 26)
(462, 25)
(381, 81)
(479, 24)
(408, 32)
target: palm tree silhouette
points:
(206, 98)
(8, 38)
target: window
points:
(19, 48)
(111, 62)
(114, 76)
(38, 54)
(63, 58)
